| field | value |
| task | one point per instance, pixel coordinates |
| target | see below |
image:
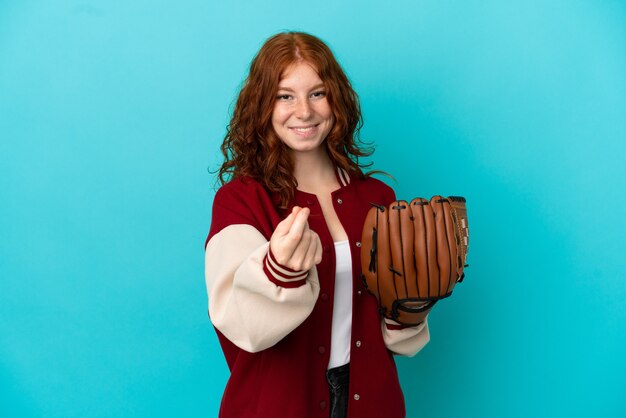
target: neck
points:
(313, 169)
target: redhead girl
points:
(301, 335)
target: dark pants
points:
(338, 379)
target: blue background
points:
(111, 112)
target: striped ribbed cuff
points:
(281, 275)
(393, 325)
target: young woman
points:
(301, 335)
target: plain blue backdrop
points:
(112, 112)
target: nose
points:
(303, 109)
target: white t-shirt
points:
(342, 307)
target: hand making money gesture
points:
(294, 244)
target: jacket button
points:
(356, 397)
(359, 292)
(322, 404)
(324, 296)
(321, 349)
(358, 244)
(310, 202)
(340, 201)
(358, 343)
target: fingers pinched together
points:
(294, 244)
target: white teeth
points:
(303, 130)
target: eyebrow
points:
(317, 86)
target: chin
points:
(305, 148)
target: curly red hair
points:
(251, 146)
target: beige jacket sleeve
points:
(407, 341)
(252, 301)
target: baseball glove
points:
(412, 254)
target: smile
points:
(304, 129)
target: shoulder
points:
(374, 183)
(374, 187)
(243, 201)
(239, 189)
(245, 192)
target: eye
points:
(283, 97)
(320, 93)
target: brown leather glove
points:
(412, 254)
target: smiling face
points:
(302, 117)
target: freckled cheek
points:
(326, 112)
(279, 116)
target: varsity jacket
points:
(274, 323)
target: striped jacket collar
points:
(342, 176)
